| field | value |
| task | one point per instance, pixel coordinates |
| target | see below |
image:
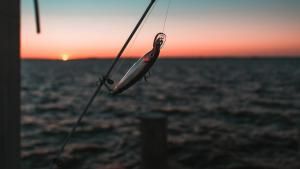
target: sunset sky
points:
(74, 29)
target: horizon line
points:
(174, 57)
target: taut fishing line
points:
(122, 60)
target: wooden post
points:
(10, 84)
(154, 142)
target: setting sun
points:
(65, 57)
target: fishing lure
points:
(140, 68)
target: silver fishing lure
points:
(140, 68)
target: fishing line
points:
(122, 61)
(146, 19)
(167, 13)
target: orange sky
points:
(215, 31)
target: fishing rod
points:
(56, 162)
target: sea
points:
(221, 113)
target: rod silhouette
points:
(102, 82)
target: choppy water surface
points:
(230, 114)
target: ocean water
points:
(222, 113)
